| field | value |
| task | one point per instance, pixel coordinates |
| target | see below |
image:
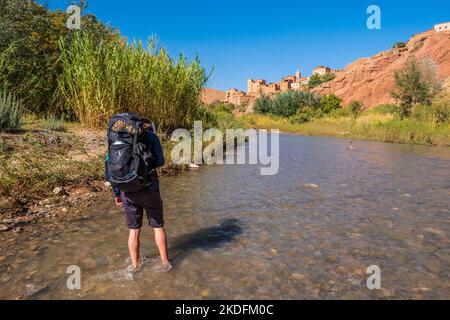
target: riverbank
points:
(370, 125)
(52, 172)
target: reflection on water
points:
(309, 232)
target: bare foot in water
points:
(133, 271)
(165, 267)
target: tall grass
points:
(101, 79)
(10, 112)
(371, 125)
(53, 123)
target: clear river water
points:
(309, 232)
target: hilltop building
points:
(442, 27)
(285, 84)
(255, 85)
(236, 97)
(321, 70)
(259, 86)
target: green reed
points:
(100, 79)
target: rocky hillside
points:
(371, 80)
(212, 95)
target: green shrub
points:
(10, 112)
(216, 118)
(223, 107)
(287, 104)
(416, 83)
(242, 108)
(399, 44)
(356, 107)
(436, 113)
(341, 113)
(440, 109)
(304, 115)
(208, 118)
(226, 121)
(316, 79)
(263, 105)
(329, 103)
(55, 124)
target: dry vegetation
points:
(36, 160)
(370, 125)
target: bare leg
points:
(161, 242)
(134, 246)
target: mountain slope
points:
(371, 80)
(210, 95)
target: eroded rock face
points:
(210, 95)
(371, 80)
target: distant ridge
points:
(371, 80)
(210, 95)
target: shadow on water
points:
(205, 239)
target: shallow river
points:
(309, 232)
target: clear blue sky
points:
(267, 39)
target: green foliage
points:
(32, 175)
(328, 77)
(10, 112)
(226, 120)
(90, 74)
(54, 123)
(105, 78)
(341, 113)
(223, 107)
(437, 113)
(242, 108)
(317, 80)
(29, 51)
(440, 109)
(304, 115)
(356, 107)
(287, 104)
(207, 116)
(399, 44)
(416, 83)
(386, 108)
(369, 127)
(263, 105)
(298, 106)
(213, 117)
(314, 81)
(329, 103)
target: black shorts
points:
(134, 204)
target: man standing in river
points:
(149, 199)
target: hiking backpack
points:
(127, 163)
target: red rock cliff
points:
(371, 80)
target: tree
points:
(263, 104)
(329, 103)
(30, 51)
(416, 83)
(356, 107)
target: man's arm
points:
(116, 191)
(156, 150)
